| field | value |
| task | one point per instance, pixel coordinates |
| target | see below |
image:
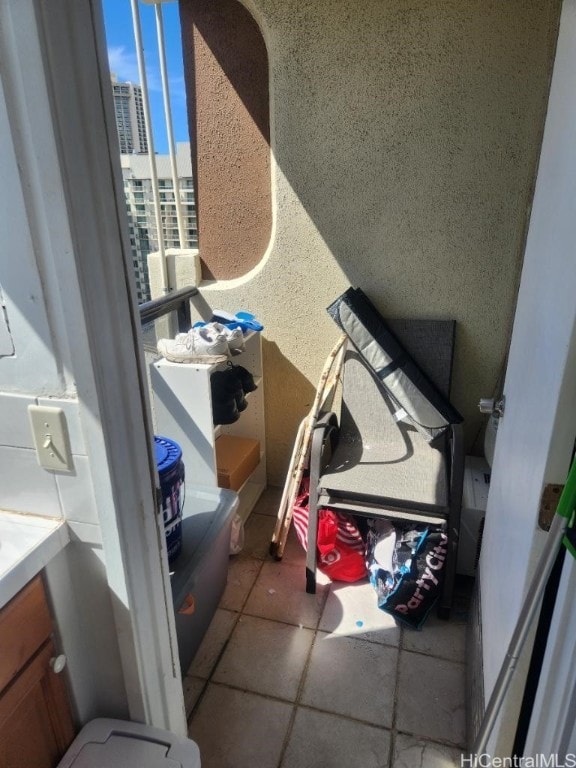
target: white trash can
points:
(104, 743)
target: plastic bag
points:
(409, 589)
(339, 543)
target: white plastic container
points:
(474, 501)
(104, 743)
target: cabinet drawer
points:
(25, 624)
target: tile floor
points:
(289, 680)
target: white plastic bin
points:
(105, 743)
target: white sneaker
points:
(234, 336)
(196, 346)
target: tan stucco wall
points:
(405, 139)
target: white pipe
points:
(169, 128)
(151, 154)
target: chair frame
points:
(325, 436)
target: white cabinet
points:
(183, 412)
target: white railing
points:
(169, 130)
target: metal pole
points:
(169, 128)
(151, 154)
(562, 519)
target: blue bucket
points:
(171, 473)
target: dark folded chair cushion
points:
(418, 401)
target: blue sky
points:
(122, 58)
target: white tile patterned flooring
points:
(289, 680)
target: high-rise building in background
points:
(142, 215)
(135, 162)
(129, 112)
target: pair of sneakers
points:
(212, 343)
(229, 389)
(233, 334)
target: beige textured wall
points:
(405, 139)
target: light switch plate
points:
(51, 438)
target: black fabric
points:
(245, 377)
(373, 322)
(227, 397)
(229, 388)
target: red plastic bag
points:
(339, 543)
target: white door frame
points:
(56, 76)
(536, 434)
(552, 728)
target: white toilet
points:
(105, 743)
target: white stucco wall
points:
(405, 141)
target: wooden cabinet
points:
(182, 406)
(36, 724)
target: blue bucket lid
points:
(168, 453)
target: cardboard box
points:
(236, 459)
